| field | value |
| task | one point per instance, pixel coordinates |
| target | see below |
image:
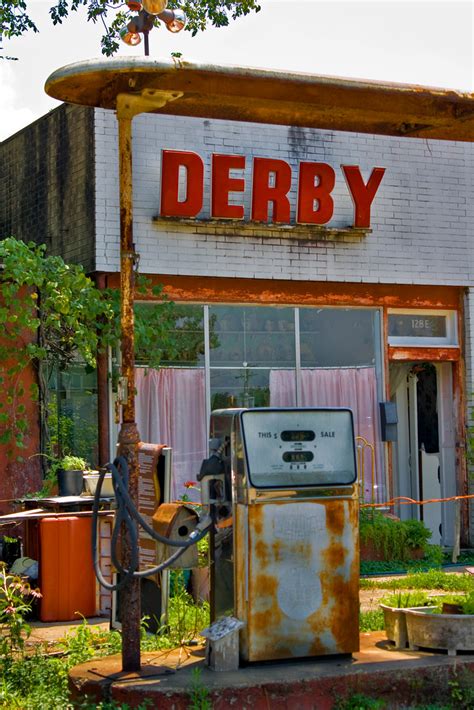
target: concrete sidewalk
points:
(50, 632)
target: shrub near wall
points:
(385, 538)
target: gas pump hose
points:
(128, 516)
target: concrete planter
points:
(396, 625)
(449, 632)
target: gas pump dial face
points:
(298, 435)
(300, 447)
(298, 456)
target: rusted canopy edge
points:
(275, 97)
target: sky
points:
(427, 42)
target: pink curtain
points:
(355, 388)
(171, 410)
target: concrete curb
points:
(401, 678)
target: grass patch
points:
(39, 681)
(432, 579)
(371, 620)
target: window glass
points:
(422, 327)
(253, 337)
(239, 387)
(169, 334)
(416, 326)
(72, 413)
(337, 337)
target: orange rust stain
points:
(334, 555)
(266, 584)
(256, 518)
(335, 518)
(270, 651)
(317, 621)
(219, 289)
(262, 553)
(271, 617)
(344, 620)
(260, 622)
(424, 354)
(354, 517)
(277, 551)
(318, 648)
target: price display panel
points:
(299, 447)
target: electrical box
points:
(388, 421)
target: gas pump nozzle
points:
(214, 465)
(212, 473)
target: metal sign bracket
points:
(147, 101)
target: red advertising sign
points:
(271, 184)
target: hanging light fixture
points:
(130, 38)
(178, 22)
(142, 23)
(154, 7)
(134, 5)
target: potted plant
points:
(70, 475)
(394, 607)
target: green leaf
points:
(5, 436)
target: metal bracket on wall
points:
(147, 101)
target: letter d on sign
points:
(171, 162)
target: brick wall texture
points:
(47, 184)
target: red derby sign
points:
(271, 183)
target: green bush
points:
(392, 538)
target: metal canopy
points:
(275, 97)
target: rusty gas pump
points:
(282, 493)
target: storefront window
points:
(240, 387)
(247, 343)
(337, 337)
(259, 356)
(253, 337)
(169, 335)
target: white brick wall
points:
(421, 214)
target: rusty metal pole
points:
(128, 106)
(128, 436)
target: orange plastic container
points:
(67, 580)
